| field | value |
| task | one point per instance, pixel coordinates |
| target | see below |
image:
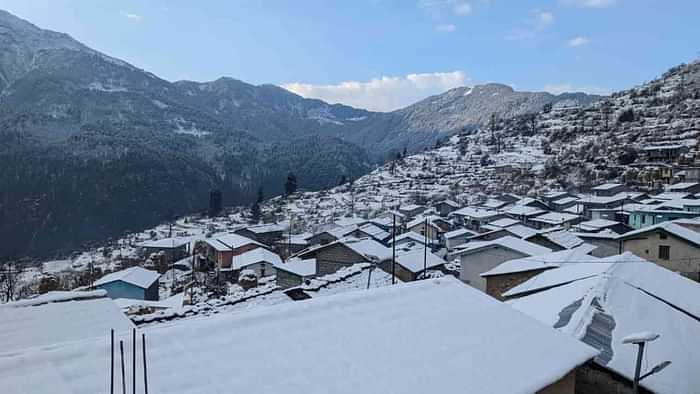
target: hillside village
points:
(539, 222)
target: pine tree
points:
(290, 186)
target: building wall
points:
(604, 247)
(286, 279)
(332, 258)
(451, 243)
(119, 289)
(433, 233)
(261, 269)
(496, 285)
(475, 264)
(683, 257)
(151, 294)
(402, 273)
(592, 379)
(224, 258)
(565, 385)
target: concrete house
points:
(477, 257)
(346, 252)
(685, 187)
(608, 189)
(411, 263)
(667, 244)
(411, 210)
(606, 242)
(473, 218)
(221, 248)
(173, 248)
(457, 237)
(294, 272)
(134, 283)
(598, 225)
(446, 207)
(260, 260)
(555, 219)
(266, 234)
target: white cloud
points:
(544, 19)
(463, 9)
(448, 28)
(590, 3)
(569, 88)
(386, 93)
(131, 16)
(578, 41)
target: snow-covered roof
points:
(565, 239)
(671, 195)
(412, 259)
(508, 242)
(493, 203)
(521, 231)
(565, 200)
(524, 210)
(504, 222)
(596, 224)
(136, 276)
(369, 248)
(682, 186)
(350, 221)
(254, 256)
(619, 197)
(413, 236)
(419, 337)
(607, 186)
(543, 261)
(265, 228)
(57, 317)
(671, 228)
(555, 218)
(476, 213)
(227, 242)
(165, 243)
(458, 233)
(605, 234)
(626, 296)
(555, 194)
(298, 267)
(374, 231)
(421, 219)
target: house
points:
(346, 252)
(54, 318)
(602, 304)
(643, 217)
(426, 226)
(524, 213)
(413, 338)
(266, 234)
(411, 210)
(555, 195)
(373, 231)
(409, 237)
(457, 237)
(511, 273)
(477, 257)
(553, 219)
(664, 153)
(446, 207)
(503, 223)
(667, 244)
(260, 260)
(136, 283)
(563, 203)
(493, 203)
(473, 218)
(290, 245)
(606, 242)
(598, 225)
(608, 189)
(556, 240)
(685, 187)
(294, 272)
(532, 202)
(221, 248)
(410, 263)
(172, 248)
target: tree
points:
(255, 209)
(547, 108)
(626, 116)
(405, 151)
(342, 180)
(290, 186)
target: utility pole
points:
(425, 250)
(393, 250)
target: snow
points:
(596, 225)
(165, 243)
(254, 256)
(670, 227)
(640, 298)
(411, 235)
(505, 222)
(555, 218)
(639, 337)
(136, 276)
(508, 242)
(544, 261)
(476, 213)
(606, 186)
(54, 318)
(369, 248)
(298, 266)
(458, 232)
(412, 260)
(410, 338)
(563, 238)
(227, 242)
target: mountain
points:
(92, 147)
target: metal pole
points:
(393, 251)
(638, 369)
(133, 360)
(121, 350)
(425, 250)
(111, 371)
(145, 368)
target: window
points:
(663, 235)
(664, 252)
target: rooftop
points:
(136, 276)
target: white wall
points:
(481, 261)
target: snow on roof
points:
(493, 203)
(228, 242)
(596, 224)
(671, 228)
(458, 233)
(350, 221)
(509, 242)
(265, 228)
(55, 318)
(298, 267)
(368, 248)
(521, 231)
(333, 344)
(450, 203)
(412, 260)
(524, 210)
(421, 219)
(682, 186)
(374, 231)
(615, 305)
(607, 186)
(605, 234)
(165, 243)
(674, 195)
(136, 276)
(543, 261)
(410, 207)
(476, 213)
(504, 222)
(663, 147)
(254, 256)
(555, 194)
(619, 197)
(565, 239)
(565, 200)
(556, 217)
(411, 235)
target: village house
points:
(603, 202)
(172, 248)
(555, 219)
(606, 243)
(427, 226)
(477, 257)
(664, 153)
(221, 248)
(556, 240)
(294, 272)
(667, 244)
(446, 207)
(266, 234)
(411, 210)
(644, 217)
(134, 283)
(685, 187)
(493, 203)
(605, 303)
(511, 273)
(473, 218)
(259, 260)
(390, 329)
(409, 237)
(608, 189)
(524, 213)
(596, 226)
(457, 237)
(346, 252)
(563, 203)
(411, 263)
(549, 197)
(293, 244)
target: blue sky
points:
(384, 54)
